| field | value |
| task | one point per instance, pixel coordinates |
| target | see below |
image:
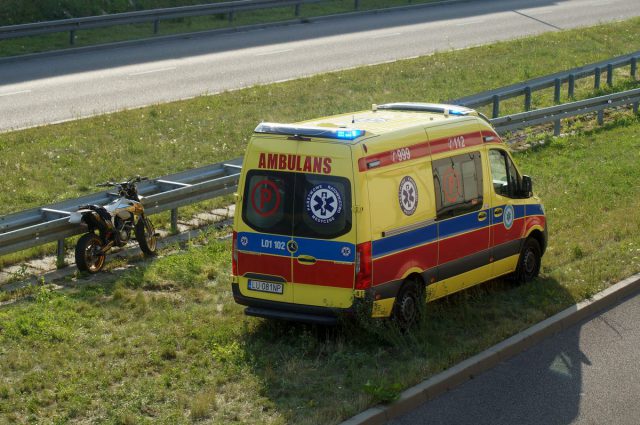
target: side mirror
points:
(527, 187)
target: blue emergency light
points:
(308, 131)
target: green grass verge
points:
(112, 34)
(165, 343)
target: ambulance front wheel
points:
(408, 305)
(529, 261)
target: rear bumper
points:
(288, 311)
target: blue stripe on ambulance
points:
(534, 210)
(518, 210)
(404, 240)
(277, 245)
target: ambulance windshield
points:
(305, 205)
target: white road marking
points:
(462, 24)
(15, 92)
(169, 68)
(275, 52)
(386, 35)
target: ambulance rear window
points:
(306, 205)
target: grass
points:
(90, 37)
(165, 343)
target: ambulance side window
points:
(458, 184)
(506, 180)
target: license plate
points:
(261, 286)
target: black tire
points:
(409, 305)
(146, 236)
(87, 257)
(529, 261)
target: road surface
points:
(587, 374)
(79, 84)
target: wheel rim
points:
(408, 309)
(529, 262)
(150, 236)
(92, 256)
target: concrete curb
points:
(468, 369)
(219, 31)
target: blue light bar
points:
(304, 131)
(458, 112)
(350, 134)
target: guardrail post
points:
(356, 4)
(610, 75)
(72, 37)
(156, 25)
(634, 67)
(297, 12)
(60, 254)
(635, 107)
(527, 98)
(557, 85)
(174, 220)
(556, 128)
(572, 85)
(596, 78)
(601, 117)
(496, 106)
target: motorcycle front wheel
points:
(89, 255)
(146, 236)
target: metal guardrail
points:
(153, 16)
(556, 113)
(41, 225)
(526, 88)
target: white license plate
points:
(261, 286)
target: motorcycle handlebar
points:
(135, 179)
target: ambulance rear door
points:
(324, 233)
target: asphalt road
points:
(588, 374)
(45, 90)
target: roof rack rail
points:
(426, 107)
(308, 131)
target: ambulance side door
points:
(507, 211)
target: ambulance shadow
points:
(202, 44)
(540, 385)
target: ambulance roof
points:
(379, 120)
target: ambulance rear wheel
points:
(529, 261)
(408, 305)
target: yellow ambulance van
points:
(385, 208)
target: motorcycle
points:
(112, 225)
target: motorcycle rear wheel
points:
(146, 236)
(88, 256)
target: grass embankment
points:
(165, 343)
(16, 11)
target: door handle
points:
(482, 216)
(306, 259)
(497, 212)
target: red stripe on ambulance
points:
(420, 150)
(392, 267)
(273, 265)
(324, 273)
(458, 247)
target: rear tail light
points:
(363, 266)
(234, 254)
